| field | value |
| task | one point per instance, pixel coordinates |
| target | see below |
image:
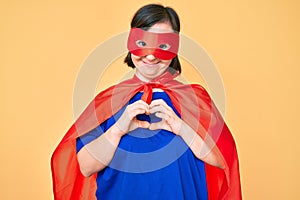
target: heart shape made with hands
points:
(159, 111)
(160, 106)
(161, 116)
(151, 118)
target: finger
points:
(139, 124)
(157, 125)
(133, 113)
(139, 105)
(142, 124)
(160, 102)
(156, 102)
(157, 109)
(168, 119)
(141, 102)
(160, 115)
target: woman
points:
(153, 137)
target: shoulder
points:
(106, 91)
(126, 85)
(197, 88)
(200, 89)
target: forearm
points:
(96, 155)
(199, 148)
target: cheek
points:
(166, 62)
(135, 59)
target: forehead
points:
(163, 27)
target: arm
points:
(199, 147)
(171, 122)
(96, 155)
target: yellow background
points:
(255, 45)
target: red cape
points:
(196, 109)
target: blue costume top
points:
(149, 164)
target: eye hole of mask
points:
(164, 46)
(140, 43)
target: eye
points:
(140, 43)
(164, 46)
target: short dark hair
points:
(149, 15)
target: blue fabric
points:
(149, 164)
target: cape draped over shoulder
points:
(196, 109)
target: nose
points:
(150, 57)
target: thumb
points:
(142, 124)
(156, 126)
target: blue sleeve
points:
(96, 132)
(88, 137)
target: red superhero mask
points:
(161, 45)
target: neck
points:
(162, 79)
(142, 78)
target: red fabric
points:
(151, 43)
(196, 109)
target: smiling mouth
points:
(151, 64)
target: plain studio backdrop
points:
(254, 44)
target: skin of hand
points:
(128, 121)
(170, 121)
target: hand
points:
(128, 121)
(170, 121)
